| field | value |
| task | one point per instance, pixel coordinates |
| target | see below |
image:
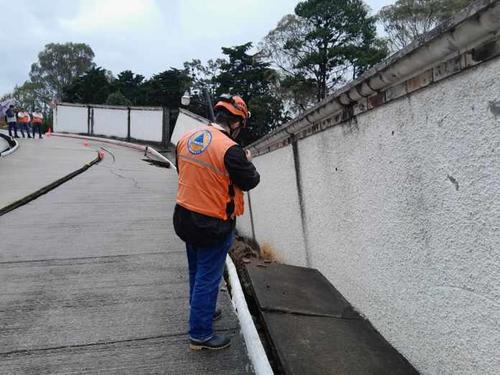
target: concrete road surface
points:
(94, 280)
(37, 163)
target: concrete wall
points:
(185, 122)
(146, 123)
(111, 122)
(401, 211)
(71, 119)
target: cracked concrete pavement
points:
(94, 279)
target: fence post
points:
(165, 134)
(88, 120)
(128, 124)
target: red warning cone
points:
(86, 142)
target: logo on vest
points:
(199, 142)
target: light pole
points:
(186, 99)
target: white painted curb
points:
(10, 150)
(255, 350)
(146, 149)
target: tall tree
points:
(27, 96)
(58, 65)
(250, 77)
(406, 20)
(322, 42)
(130, 86)
(203, 77)
(166, 88)
(92, 87)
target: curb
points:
(49, 187)
(255, 350)
(135, 146)
(10, 150)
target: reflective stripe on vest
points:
(204, 183)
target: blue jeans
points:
(206, 266)
(23, 127)
(12, 129)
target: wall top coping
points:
(106, 106)
(472, 27)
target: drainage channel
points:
(257, 318)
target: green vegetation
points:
(308, 55)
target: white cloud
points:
(145, 36)
(111, 15)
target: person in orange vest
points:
(24, 119)
(37, 119)
(214, 170)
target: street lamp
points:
(186, 100)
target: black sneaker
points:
(215, 343)
(217, 314)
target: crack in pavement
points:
(104, 343)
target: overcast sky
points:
(145, 36)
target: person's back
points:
(10, 116)
(213, 173)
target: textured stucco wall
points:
(402, 212)
(275, 207)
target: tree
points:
(94, 87)
(58, 65)
(322, 42)
(129, 85)
(250, 77)
(27, 97)
(117, 98)
(166, 88)
(406, 20)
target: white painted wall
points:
(185, 121)
(275, 207)
(110, 122)
(402, 214)
(146, 125)
(71, 119)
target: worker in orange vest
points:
(214, 170)
(23, 118)
(37, 120)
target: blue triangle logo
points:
(199, 139)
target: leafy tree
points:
(406, 20)
(130, 86)
(58, 65)
(250, 77)
(117, 98)
(321, 43)
(93, 87)
(27, 97)
(166, 88)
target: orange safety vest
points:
(24, 118)
(204, 183)
(37, 119)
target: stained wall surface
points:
(401, 207)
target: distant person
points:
(10, 117)
(37, 120)
(214, 171)
(23, 118)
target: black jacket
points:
(201, 230)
